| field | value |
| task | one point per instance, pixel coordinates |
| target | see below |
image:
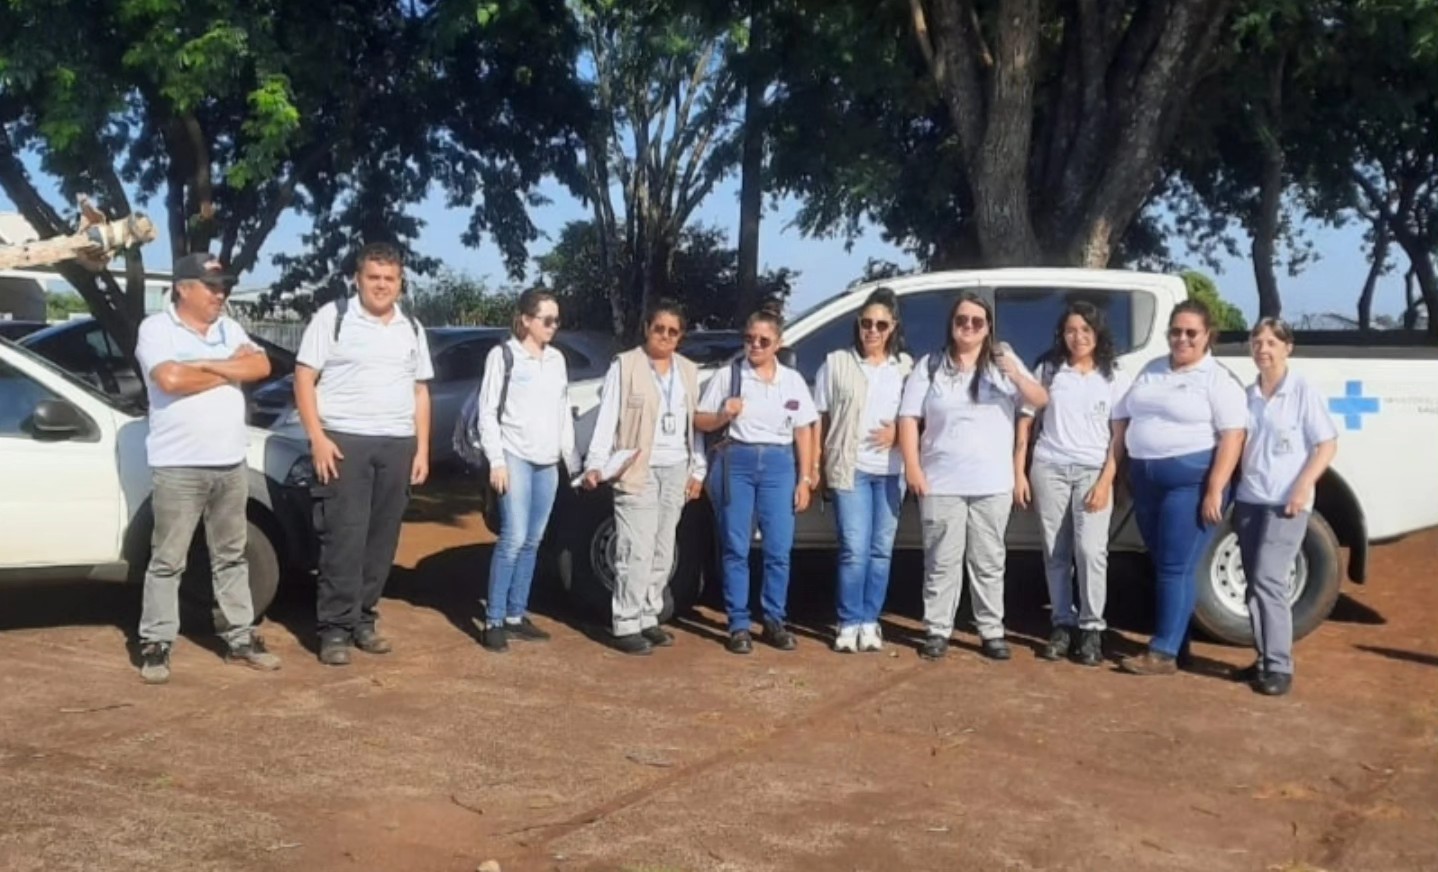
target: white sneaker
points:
(848, 640)
(870, 639)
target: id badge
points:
(669, 424)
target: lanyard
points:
(666, 389)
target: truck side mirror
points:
(57, 420)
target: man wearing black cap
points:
(194, 358)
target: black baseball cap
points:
(202, 267)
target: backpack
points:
(342, 306)
(466, 438)
(717, 439)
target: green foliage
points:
(457, 299)
(1226, 316)
(60, 306)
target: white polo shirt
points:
(367, 378)
(1074, 428)
(881, 403)
(537, 425)
(203, 429)
(772, 410)
(1172, 412)
(967, 447)
(1283, 430)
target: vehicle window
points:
(19, 395)
(809, 352)
(1027, 317)
(926, 320)
(102, 347)
(576, 363)
(463, 362)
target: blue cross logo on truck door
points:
(1353, 405)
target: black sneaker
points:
(1273, 684)
(525, 631)
(995, 649)
(1248, 674)
(254, 654)
(155, 662)
(658, 636)
(371, 642)
(335, 651)
(934, 648)
(778, 635)
(740, 642)
(1058, 647)
(633, 643)
(495, 639)
(1090, 648)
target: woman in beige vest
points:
(647, 406)
(857, 392)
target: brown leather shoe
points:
(1149, 663)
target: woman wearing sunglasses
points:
(962, 470)
(647, 405)
(1072, 476)
(524, 442)
(857, 391)
(1182, 425)
(755, 471)
(1291, 441)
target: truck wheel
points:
(1314, 582)
(588, 554)
(197, 585)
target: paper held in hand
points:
(618, 463)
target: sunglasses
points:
(1184, 332)
(665, 330)
(965, 321)
(547, 320)
(758, 341)
(876, 326)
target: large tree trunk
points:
(751, 170)
(1270, 196)
(1370, 284)
(1136, 71)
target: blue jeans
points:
(524, 513)
(1168, 497)
(867, 518)
(760, 481)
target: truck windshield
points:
(107, 399)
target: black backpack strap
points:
(508, 354)
(342, 305)
(934, 361)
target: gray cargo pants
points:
(1269, 542)
(183, 497)
(645, 524)
(962, 532)
(1073, 537)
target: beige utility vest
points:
(639, 411)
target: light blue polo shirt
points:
(203, 429)
(1283, 430)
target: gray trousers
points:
(1269, 542)
(1073, 538)
(183, 497)
(645, 525)
(959, 533)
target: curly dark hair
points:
(1104, 353)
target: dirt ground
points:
(569, 756)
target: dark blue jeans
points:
(867, 517)
(760, 482)
(1168, 497)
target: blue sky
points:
(1331, 284)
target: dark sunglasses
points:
(876, 326)
(1182, 332)
(662, 330)
(547, 320)
(975, 321)
(758, 341)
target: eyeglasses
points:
(548, 320)
(963, 322)
(758, 341)
(664, 330)
(1184, 332)
(870, 324)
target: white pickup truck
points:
(75, 489)
(1383, 396)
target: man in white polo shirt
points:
(361, 392)
(194, 359)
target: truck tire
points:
(1222, 612)
(586, 556)
(197, 592)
